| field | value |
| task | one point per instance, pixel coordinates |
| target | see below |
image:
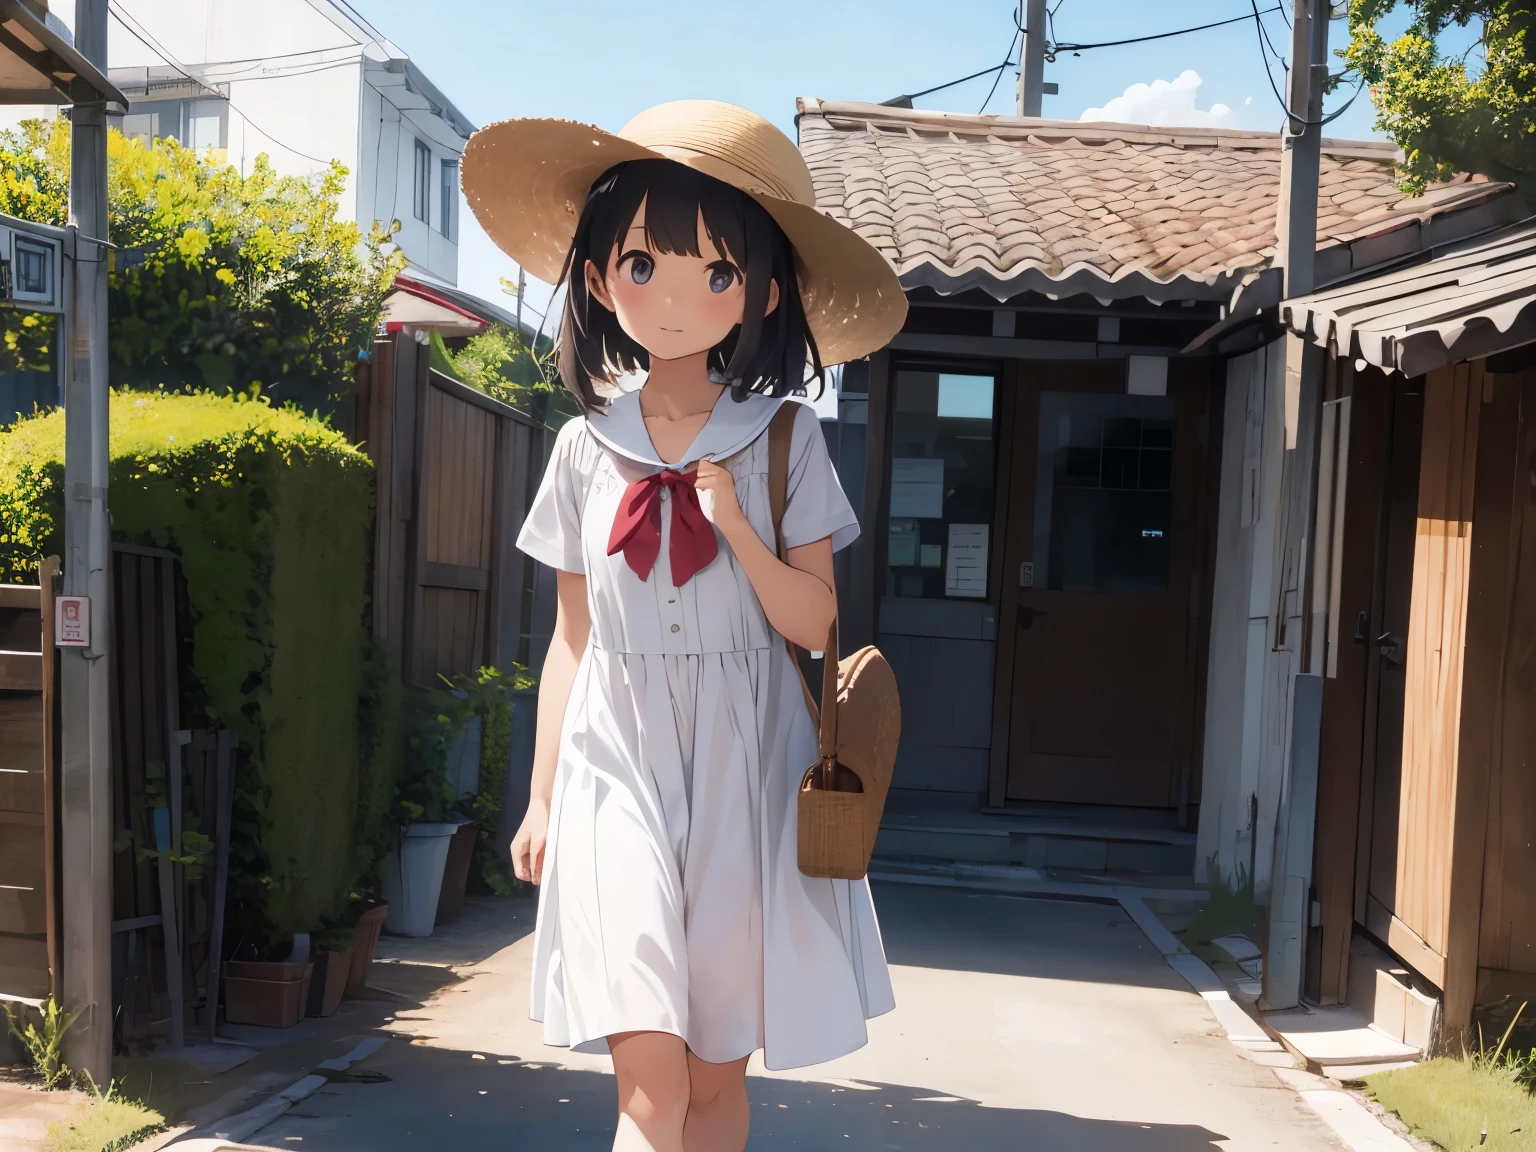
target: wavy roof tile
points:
(1008, 204)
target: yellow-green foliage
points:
(220, 279)
(270, 512)
(1453, 1101)
(105, 1124)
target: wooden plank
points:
(1507, 936)
(1405, 943)
(172, 904)
(1436, 653)
(22, 736)
(412, 635)
(476, 399)
(20, 596)
(504, 599)
(1495, 409)
(21, 792)
(21, 671)
(224, 777)
(1345, 689)
(461, 576)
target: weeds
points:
(43, 1040)
(1229, 910)
(1517, 1067)
(105, 1123)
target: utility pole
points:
(1031, 56)
(85, 792)
(1291, 874)
(1302, 153)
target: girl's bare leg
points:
(652, 1073)
(718, 1112)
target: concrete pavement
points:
(1021, 1023)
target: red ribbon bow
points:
(637, 527)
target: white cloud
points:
(1163, 102)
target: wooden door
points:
(1379, 813)
(1101, 587)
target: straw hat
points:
(527, 181)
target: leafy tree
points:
(219, 280)
(499, 363)
(1447, 115)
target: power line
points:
(998, 79)
(134, 29)
(910, 96)
(1070, 47)
(1264, 40)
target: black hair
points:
(764, 353)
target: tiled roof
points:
(1008, 203)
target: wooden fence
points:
(168, 781)
(455, 473)
(29, 920)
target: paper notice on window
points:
(917, 488)
(903, 546)
(966, 572)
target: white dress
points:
(672, 901)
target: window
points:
(448, 200)
(32, 271)
(197, 124)
(422, 199)
(1104, 493)
(943, 452)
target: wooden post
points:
(224, 793)
(47, 581)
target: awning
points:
(411, 305)
(1466, 300)
(39, 66)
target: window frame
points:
(421, 183)
(448, 197)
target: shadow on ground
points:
(480, 1103)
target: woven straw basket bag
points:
(842, 795)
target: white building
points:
(306, 82)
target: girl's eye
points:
(721, 277)
(640, 268)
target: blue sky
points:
(601, 61)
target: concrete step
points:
(1337, 1037)
(1036, 843)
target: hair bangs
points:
(764, 353)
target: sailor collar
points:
(732, 425)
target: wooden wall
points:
(1502, 623)
(455, 473)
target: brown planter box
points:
(332, 971)
(365, 941)
(461, 851)
(270, 995)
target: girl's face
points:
(673, 305)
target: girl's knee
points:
(652, 1077)
(710, 1085)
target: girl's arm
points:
(573, 624)
(797, 597)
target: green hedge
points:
(271, 514)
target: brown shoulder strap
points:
(780, 433)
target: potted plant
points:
(267, 991)
(365, 941)
(332, 971)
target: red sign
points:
(72, 622)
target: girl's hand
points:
(717, 494)
(528, 844)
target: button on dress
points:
(672, 900)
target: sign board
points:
(72, 621)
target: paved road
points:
(1021, 1024)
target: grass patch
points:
(1453, 1101)
(105, 1123)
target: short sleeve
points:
(552, 529)
(816, 506)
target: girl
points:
(675, 930)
